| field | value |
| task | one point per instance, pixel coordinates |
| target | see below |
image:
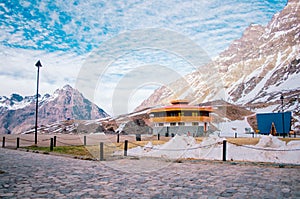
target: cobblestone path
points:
(31, 175)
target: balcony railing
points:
(181, 119)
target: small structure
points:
(281, 121)
(181, 118)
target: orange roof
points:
(179, 102)
(181, 107)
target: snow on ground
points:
(269, 149)
(268, 109)
(229, 128)
(120, 128)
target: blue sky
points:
(64, 34)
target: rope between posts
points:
(68, 138)
(263, 149)
(187, 149)
(26, 140)
(115, 146)
(22, 139)
(46, 139)
(135, 144)
(66, 143)
(12, 139)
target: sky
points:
(117, 52)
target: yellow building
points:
(181, 118)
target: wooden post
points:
(51, 144)
(54, 143)
(125, 147)
(3, 142)
(235, 135)
(118, 137)
(84, 140)
(167, 134)
(224, 150)
(101, 151)
(158, 136)
(18, 143)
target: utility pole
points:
(282, 112)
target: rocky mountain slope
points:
(253, 72)
(17, 113)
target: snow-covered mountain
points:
(252, 72)
(18, 113)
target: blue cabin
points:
(281, 121)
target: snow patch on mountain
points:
(18, 113)
(253, 72)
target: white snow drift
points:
(269, 149)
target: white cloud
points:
(212, 25)
(19, 71)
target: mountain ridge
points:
(18, 112)
(254, 71)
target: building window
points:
(161, 114)
(195, 114)
(172, 114)
(181, 114)
(204, 113)
(160, 124)
(180, 123)
(158, 114)
(173, 124)
(195, 123)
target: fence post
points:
(51, 144)
(54, 141)
(18, 143)
(118, 137)
(3, 142)
(101, 151)
(158, 136)
(224, 150)
(84, 140)
(235, 135)
(125, 147)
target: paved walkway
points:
(31, 175)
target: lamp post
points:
(38, 65)
(282, 112)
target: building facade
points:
(181, 118)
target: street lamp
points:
(38, 65)
(282, 112)
(281, 98)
